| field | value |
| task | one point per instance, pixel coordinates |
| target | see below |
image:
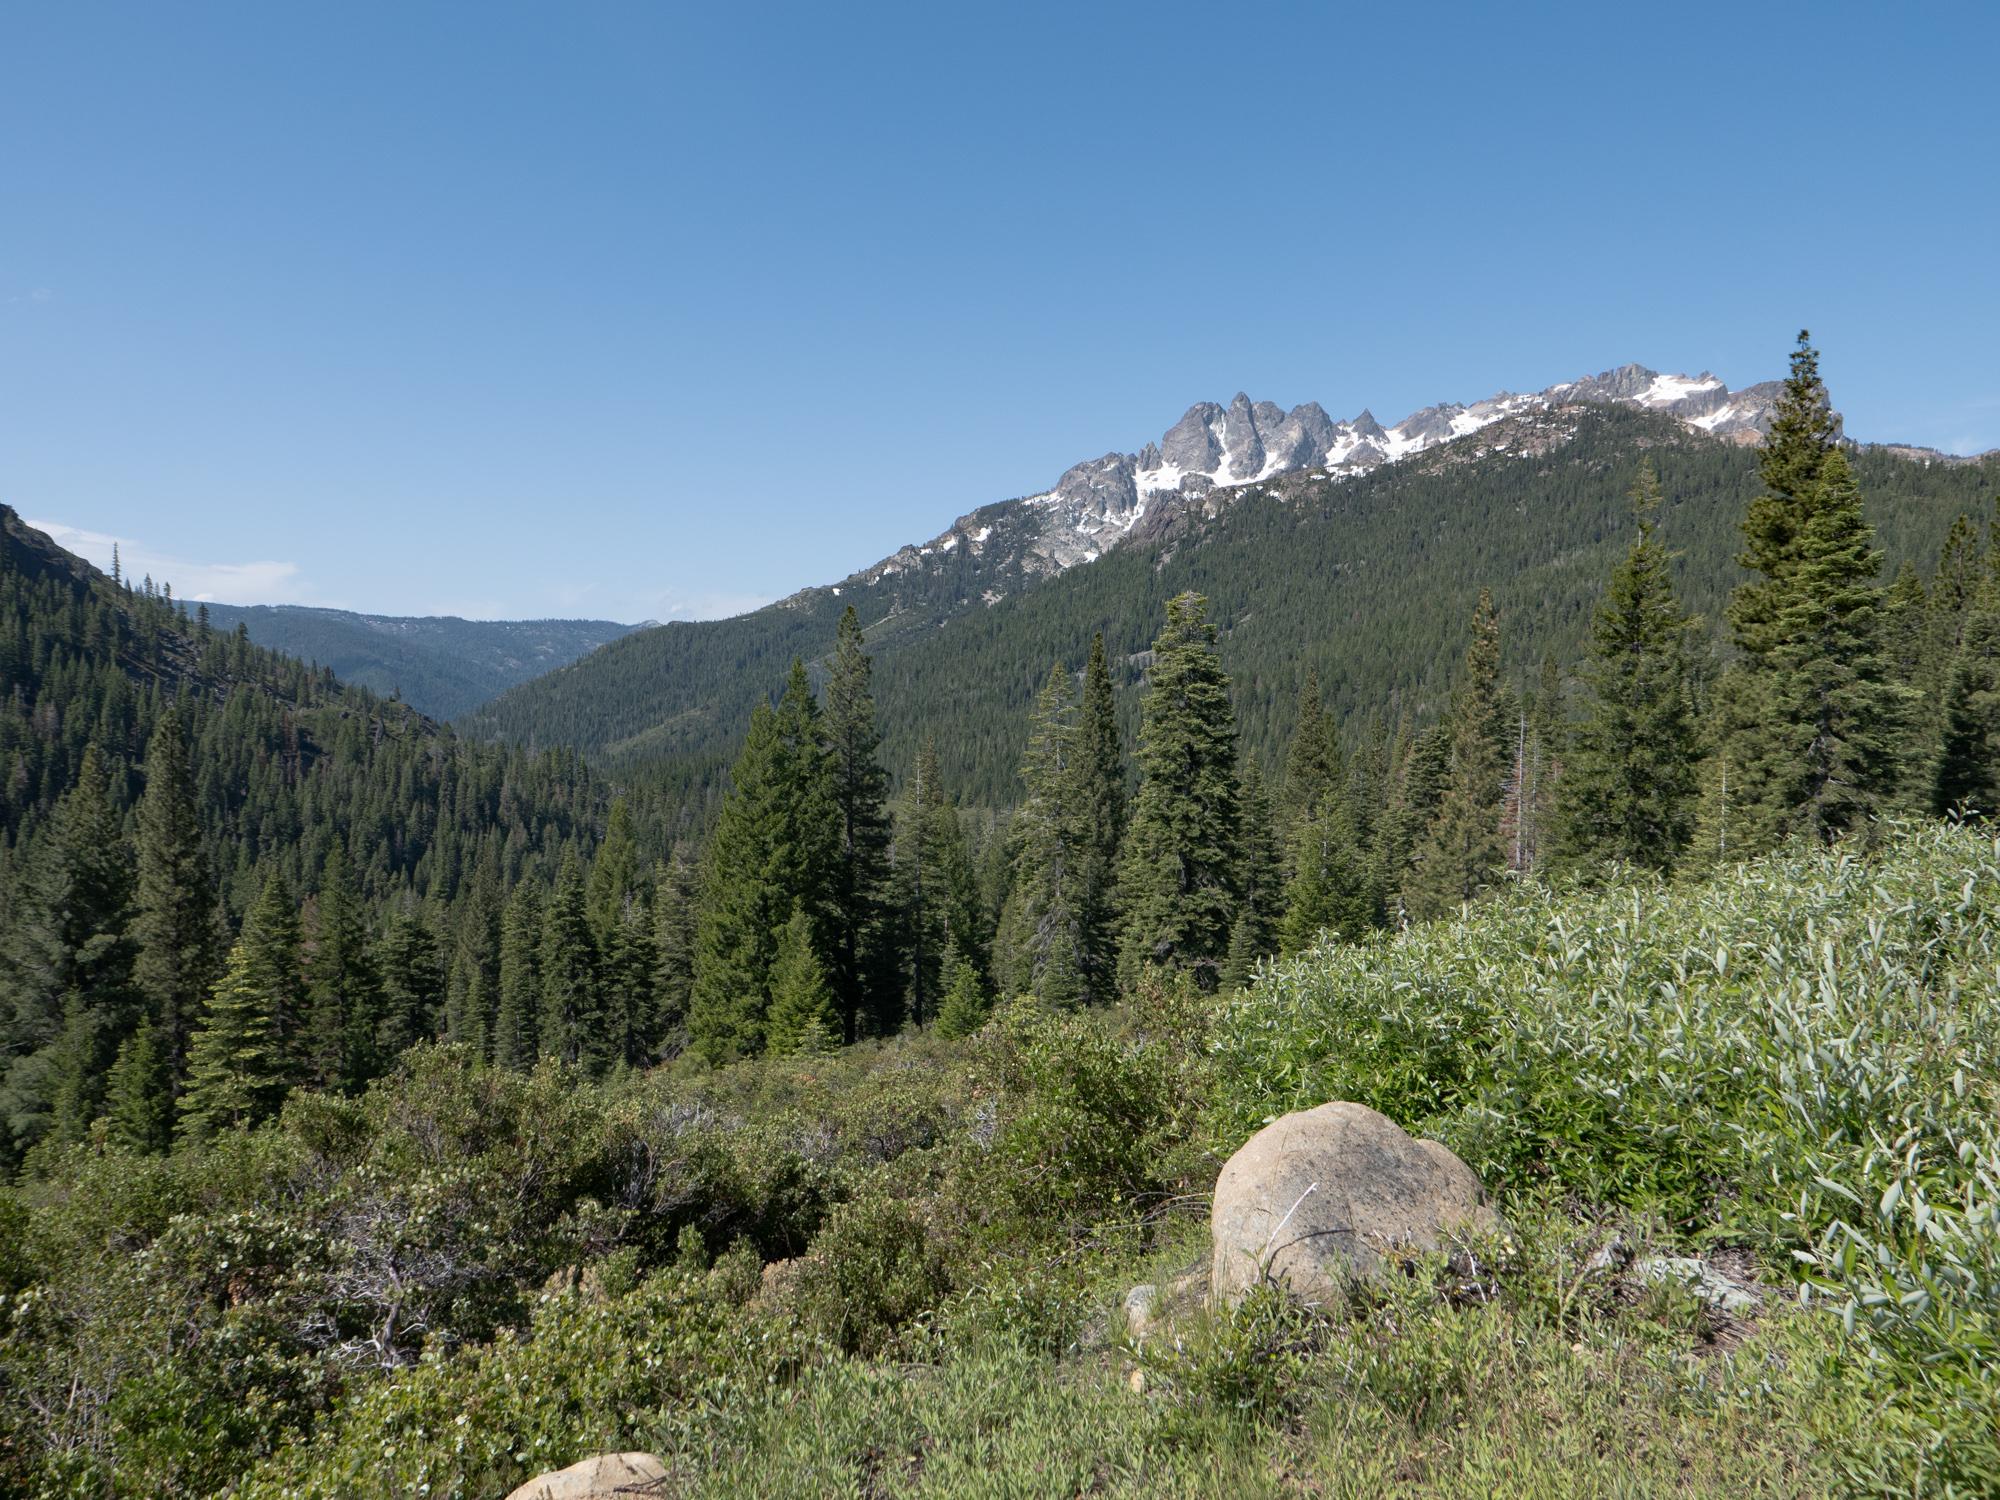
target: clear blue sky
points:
(654, 310)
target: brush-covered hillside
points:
(898, 1270)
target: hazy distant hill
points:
(440, 665)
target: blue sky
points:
(661, 311)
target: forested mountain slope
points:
(438, 664)
(159, 779)
(1368, 579)
(285, 757)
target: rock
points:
(1710, 1286)
(1142, 1306)
(605, 1477)
(1613, 1255)
(1320, 1196)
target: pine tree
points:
(66, 959)
(1462, 853)
(569, 1023)
(1260, 879)
(1179, 884)
(1099, 808)
(1042, 927)
(1330, 889)
(937, 890)
(175, 924)
(138, 1108)
(341, 992)
(410, 978)
(803, 1016)
(621, 926)
(966, 1003)
(1417, 781)
(1965, 771)
(1815, 729)
(237, 1069)
(674, 906)
(1630, 776)
(1829, 726)
(518, 1005)
(1804, 434)
(858, 933)
(1314, 770)
(773, 852)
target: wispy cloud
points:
(717, 604)
(227, 582)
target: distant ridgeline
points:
(440, 665)
(1366, 580)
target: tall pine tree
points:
(175, 924)
(1042, 928)
(1813, 729)
(1180, 881)
(859, 937)
(1630, 776)
(1462, 853)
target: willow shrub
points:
(1801, 1052)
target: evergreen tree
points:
(1042, 927)
(674, 906)
(773, 853)
(519, 1003)
(966, 1003)
(936, 889)
(1814, 728)
(1314, 772)
(409, 992)
(1630, 778)
(621, 926)
(66, 957)
(570, 1021)
(1417, 782)
(1260, 880)
(1462, 852)
(1831, 727)
(858, 933)
(341, 993)
(1327, 883)
(1179, 886)
(803, 1017)
(175, 924)
(237, 1068)
(1330, 890)
(138, 1107)
(1965, 771)
(1099, 807)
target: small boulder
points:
(1320, 1196)
(609, 1476)
(1142, 1307)
(1710, 1287)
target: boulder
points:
(1710, 1287)
(609, 1476)
(1142, 1309)
(1321, 1196)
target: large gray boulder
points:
(1320, 1197)
(609, 1476)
